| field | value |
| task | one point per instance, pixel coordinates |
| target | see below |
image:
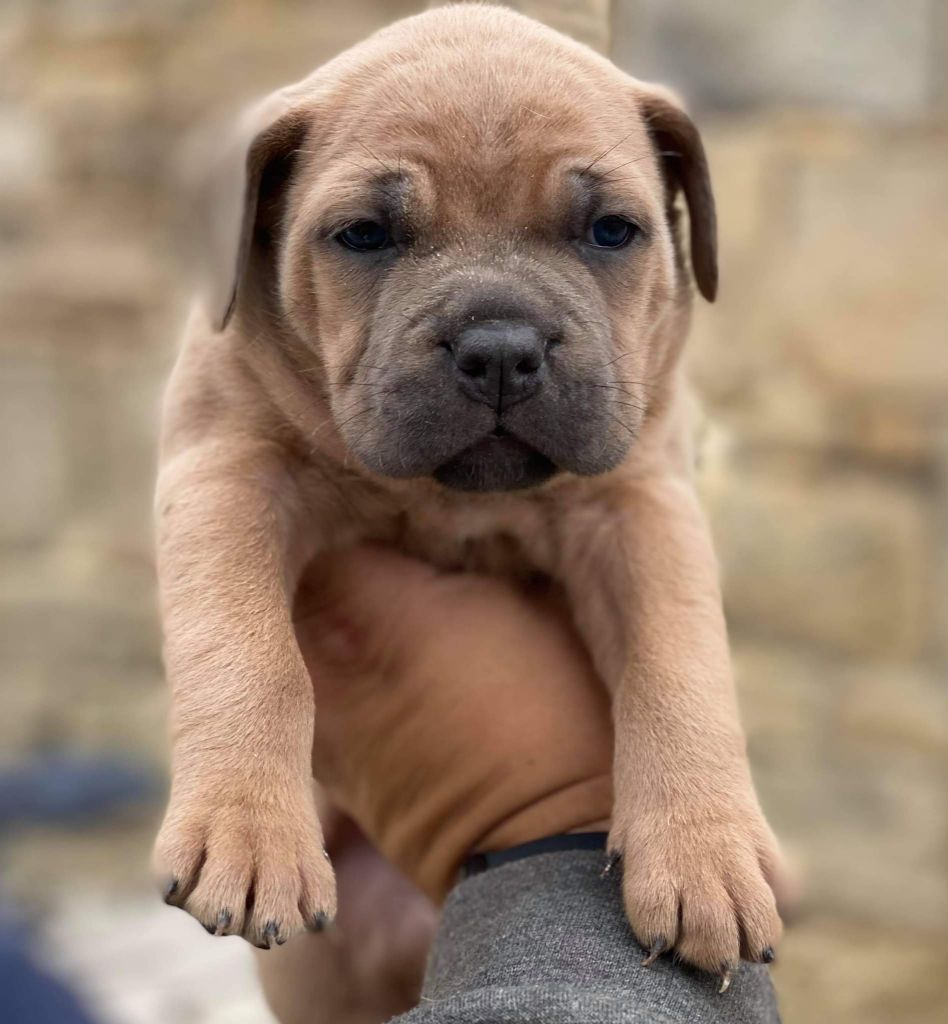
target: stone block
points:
(33, 455)
(849, 759)
(839, 560)
(80, 647)
(867, 310)
(870, 55)
(829, 333)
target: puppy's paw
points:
(700, 889)
(247, 867)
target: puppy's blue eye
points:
(612, 232)
(365, 236)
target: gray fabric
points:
(544, 941)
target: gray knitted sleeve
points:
(543, 940)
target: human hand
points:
(454, 713)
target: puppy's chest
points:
(505, 537)
(515, 541)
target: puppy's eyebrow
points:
(595, 193)
(384, 195)
(391, 191)
(600, 185)
(587, 188)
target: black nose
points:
(499, 362)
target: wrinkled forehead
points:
(485, 143)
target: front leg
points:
(697, 856)
(240, 847)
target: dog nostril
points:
(527, 365)
(473, 365)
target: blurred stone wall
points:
(823, 370)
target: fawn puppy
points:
(446, 301)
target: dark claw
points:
(210, 929)
(320, 922)
(612, 858)
(768, 956)
(271, 933)
(224, 919)
(657, 948)
(170, 890)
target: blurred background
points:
(823, 370)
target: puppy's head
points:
(467, 226)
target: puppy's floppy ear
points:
(685, 167)
(237, 189)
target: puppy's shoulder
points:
(212, 391)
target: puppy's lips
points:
(499, 461)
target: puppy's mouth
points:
(499, 461)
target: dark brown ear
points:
(237, 180)
(685, 167)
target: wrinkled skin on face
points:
(487, 197)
